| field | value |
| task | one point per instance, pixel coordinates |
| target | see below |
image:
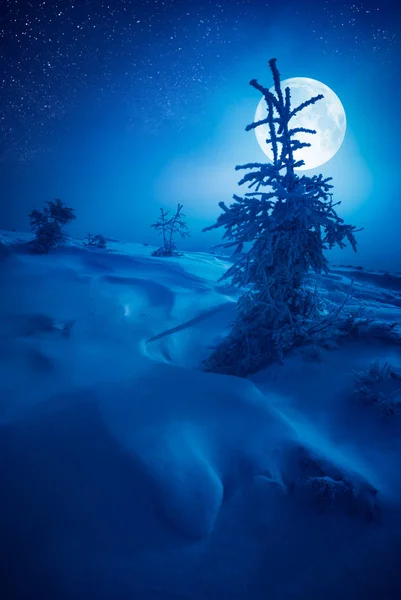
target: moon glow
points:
(326, 116)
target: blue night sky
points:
(121, 107)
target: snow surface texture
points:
(127, 472)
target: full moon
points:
(326, 116)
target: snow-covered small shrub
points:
(168, 228)
(95, 240)
(47, 225)
(353, 496)
(379, 386)
(316, 478)
(375, 373)
(326, 489)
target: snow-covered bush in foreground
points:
(289, 221)
(380, 386)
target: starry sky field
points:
(120, 107)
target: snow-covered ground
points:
(128, 473)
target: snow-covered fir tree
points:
(288, 221)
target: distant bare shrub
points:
(168, 228)
(95, 240)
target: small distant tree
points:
(47, 225)
(168, 228)
(288, 221)
(95, 240)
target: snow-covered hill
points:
(127, 472)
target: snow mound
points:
(199, 437)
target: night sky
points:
(119, 107)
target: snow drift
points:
(127, 470)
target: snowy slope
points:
(127, 472)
